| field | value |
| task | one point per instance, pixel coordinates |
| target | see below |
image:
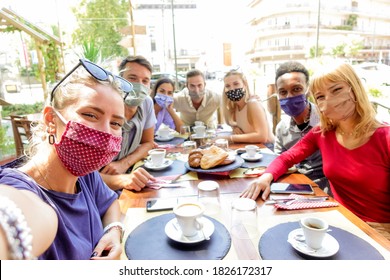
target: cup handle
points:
(199, 224)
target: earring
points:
(52, 139)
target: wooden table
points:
(230, 189)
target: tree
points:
(99, 22)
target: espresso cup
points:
(188, 216)
(314, 230)
(200, 131)
(157, 156)
(199, 123)
(251, 150)
(164, 133)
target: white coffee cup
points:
(189, 216)
(199, 123)
(200, 130)
(251, 150)
(314, 230)
(157, 156)
(164, 133)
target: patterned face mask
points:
(235, 94)
(163, 100)
(83, 149)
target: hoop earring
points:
(52, 139)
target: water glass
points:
(185, 131)
(208, 195)
(222, 143)
(244, 219)
(188, 146)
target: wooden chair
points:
(21, 128)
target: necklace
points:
(342, 132)
(47, 183)
(43, 177)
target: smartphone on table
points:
(291, 188)
(161, 204)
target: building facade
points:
(299, 30)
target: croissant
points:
(194, 158)
(212, 157)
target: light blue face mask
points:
(140, 93)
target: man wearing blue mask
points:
(137, 131)
(196, 103)
(292, 82)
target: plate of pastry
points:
(212, 159)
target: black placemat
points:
(148, 241)
(264, 161)
(173, 141)
(273, 245)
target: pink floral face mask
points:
(83, 149)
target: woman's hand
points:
(109, 246)
(136, 180)
(261, 185)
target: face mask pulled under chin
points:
(140, 91)
(196, 96)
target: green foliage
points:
(99, 22)
(22, 109)
(313, 51)
(374, 92)
(51, 55)
(91, 51)
(7, 145)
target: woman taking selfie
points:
(79, 133)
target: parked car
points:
(372, 73)
(181, 80)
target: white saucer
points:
(248, 158)
(194, 136)
(167, 162)
(172, 229)
(163, 139)
(329, 248)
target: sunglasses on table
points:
(99, 74)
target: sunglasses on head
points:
(99, 74)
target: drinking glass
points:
(188, 146)
(208, 195)
(222, 143)
(185, 131)
(244, 219)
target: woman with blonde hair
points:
(244, 112)
(80, 131)
(355, 147)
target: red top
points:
(359, 178)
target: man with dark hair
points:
(292, 82)
(195, 102)
(138, 130)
